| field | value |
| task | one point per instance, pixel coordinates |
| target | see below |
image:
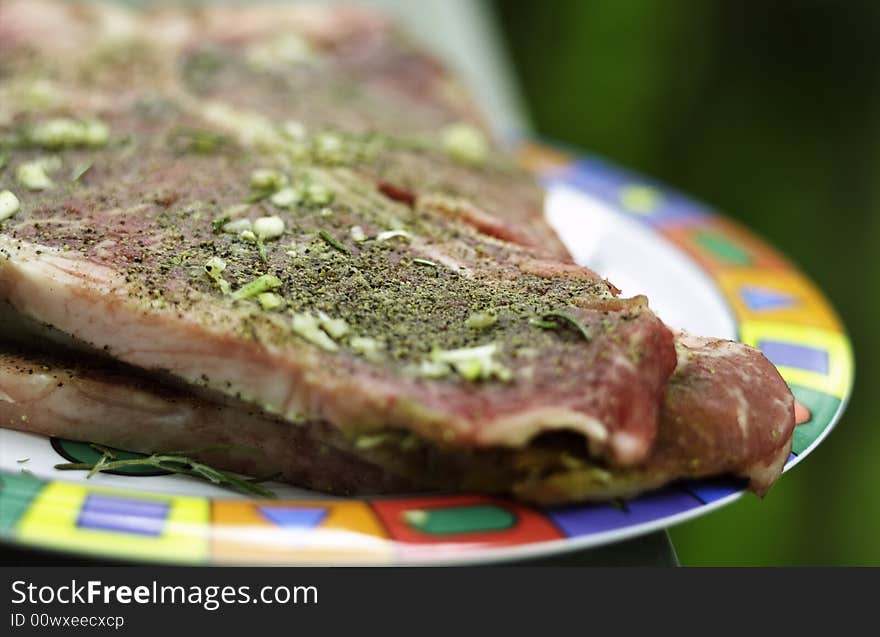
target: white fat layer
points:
(517, 430)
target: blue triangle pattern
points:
(761, 299)
(293, 517)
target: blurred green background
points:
(771, 113)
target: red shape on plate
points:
(531, 525)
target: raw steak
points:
(108, 405)
(726, 409)
(97, 401)
(134, 144)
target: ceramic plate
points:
(702, 273)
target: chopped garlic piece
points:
(269, 227)
(317, 194)
(267, 179)
(428, 369)
(335, 328)
(9, 204)
(270, 301)
(308, 327)
(56, 133)
(237, 210)
(250, 128)
(34, 174)
(365, 345)
(215, 265)
(238, 226)
(286, 197)
(214, 268)
(390, 234)
(465, 144)
(473, 363)
(95, 133)
(63, 132)
(329, 148)
(480, 320)
(358, 234)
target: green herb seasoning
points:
(333, 242)
(548, 321)
(175, 462)
(546, 325)
(265, 182)
(268, 179)
(317, 194)
(259, 285)
(59, 133)
(198, 140)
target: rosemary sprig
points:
(258, 194)
(549, 321)
(175, 462)
(105, 451)
(333, 242)
(218, 223)
(197, 140)
(106, 454)
(261, 284)
(544, 325)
